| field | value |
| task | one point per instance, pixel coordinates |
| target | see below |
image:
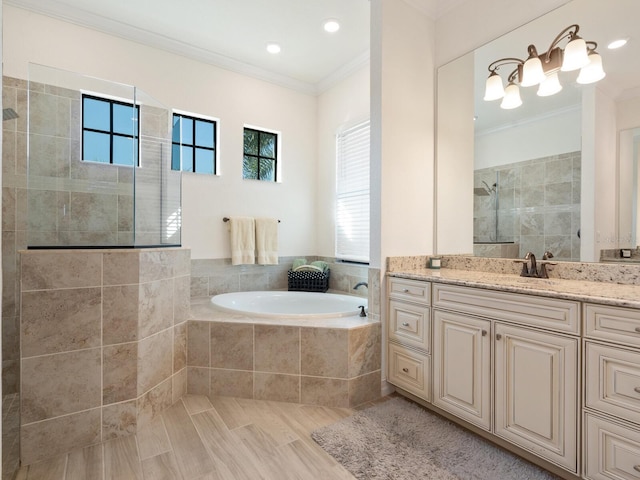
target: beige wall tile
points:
(365, 349)
(156, 264)
(44, 270)
(182, 263)
(199, 286)
(324, 352)
(277, 349)
(120, 314)
(154, 402)
(231, 383)
(119, 372)
(329, 392)
(179, 347)
(60, 320)
(364, 389)
(121, 268)
(155, 360)
(155, 307)
(276, 387)
(198, 382)
(54, 385)
(181, 298)
(232, 345)
(198, 344)
(178, 385)
(59, 435)
(119, 420)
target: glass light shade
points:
(532, 72)
(592, 72)
(493, 89)
(575, 55)
(511, 97)
(550, 85)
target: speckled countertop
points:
(583, 291)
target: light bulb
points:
(592, 72)
(575, 55)
(493, 88)
(550, 85)
(532, 72)
(511, 97)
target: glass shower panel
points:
(98, 165)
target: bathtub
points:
(290, 305)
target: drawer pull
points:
(638, 329)
(484, 333)
(498, 336)
(637, 389)
(405, 324)
(636, 468)
(405, 370)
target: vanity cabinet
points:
(612, 392)
(507, 343)
(409, 332)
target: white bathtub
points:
(290, 305)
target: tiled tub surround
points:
(538, 205)
(103, 344)
(329, 362)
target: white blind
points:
(352, 193)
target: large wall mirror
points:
(559, 173)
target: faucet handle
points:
(547, 255)
(525, 271)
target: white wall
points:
(343, 105)
(200, 88)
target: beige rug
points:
(398, 440)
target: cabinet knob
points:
(484, 333)
(405, 370)
(405, 290)
(636, 468)
(638, 329)
(637, 389)
(405, 324)
(498, 336)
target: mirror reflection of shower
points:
(486, 211)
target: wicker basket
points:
(308, 281)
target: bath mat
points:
(399, 440)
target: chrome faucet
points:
(543, 267)
(533, 268)
(530, 267)
(360, 284)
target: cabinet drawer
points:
(409, 370)
(613, 381)
(558, 315)
(412, 290)
(615, 324)
(409, 324)
(611, 451)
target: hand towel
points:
(243, 240)
(298, 262)
(267, 241)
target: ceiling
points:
(597, 23)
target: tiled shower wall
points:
(538, 205)
(103, 344)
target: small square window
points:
(260, 155)
(109, 131)
(194, 144)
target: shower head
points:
(9, 114)
(481, 192)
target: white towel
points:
(243, 240)
(267, 241)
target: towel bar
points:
(226, 219)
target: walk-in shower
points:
(487, 212)
(99, 164)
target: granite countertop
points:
(583, 291)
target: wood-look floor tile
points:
(196, 403)
(52, 469)
(229, 410)
(153, 439)
(191, 455)
(121, 460)
(161, 467)
(85, 463)
(231, 458)
(264, 415)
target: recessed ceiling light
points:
(331, 25)
(617, 43)
(273, 48)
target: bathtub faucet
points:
(359, 284)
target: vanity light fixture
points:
(331, 26)
(542, 69)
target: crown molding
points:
(343, 72)
(428, 7)
(528, 120)
(86, 19)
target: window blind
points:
(352, 193)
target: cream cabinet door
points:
(462, 366)
(536, 377)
